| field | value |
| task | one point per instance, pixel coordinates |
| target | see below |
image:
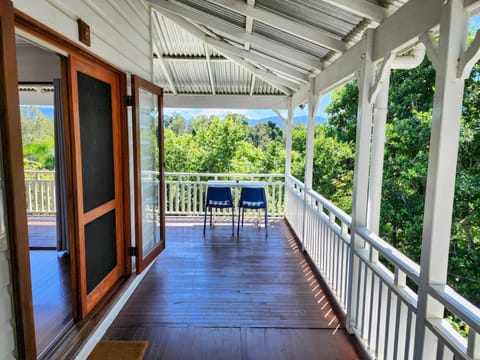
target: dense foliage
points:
(215, 145)
(37, 139)
(405, 169)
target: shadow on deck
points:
(224, 297)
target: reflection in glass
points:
(149, 170)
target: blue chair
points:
(252, 198)
(218, 198)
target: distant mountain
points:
(296, 120)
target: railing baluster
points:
(373, 318)
(473, 348)
(409, 331)
(365, 301)
(387, 325)
(398, 330)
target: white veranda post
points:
(313, 101)
(441, 172)
(361, 172)
(288, 140)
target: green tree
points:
(218, 142)
(333, 168)
(37, 138)
(182, 153)
(178, 126)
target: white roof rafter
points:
(159, 59)
(210, 72)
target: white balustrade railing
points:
(375, 284)
(185, 192)
(40, 192)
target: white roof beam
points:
(274, 49)
(226, 101)
(209, 68)
(362, 8)
(160, 61)
(270, 78)
(252, 85)
(249, 24)
(306, 32)
(259, 59)
(170, 58)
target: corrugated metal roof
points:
(262, 88)
(316, 13)
(230, 78)
(192, 77)
(219, 11)
(294, 42)
(174, 41)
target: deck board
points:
(224, 297)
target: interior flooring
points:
(228, 297)
(52, 295)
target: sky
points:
(252, 114)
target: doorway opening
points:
(43, 140)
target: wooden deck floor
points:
(223, 297)
(42, 232)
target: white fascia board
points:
(362, 8)
(308, 33)
(472, 6)
(37, 98)
(225, 101)
(275, 49)
(340, 72)
(405, 26)
(395, 33)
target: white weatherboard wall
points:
(120, 35)
(119, 29)
(7, 340)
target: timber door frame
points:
(10, 132)
(12, 152)
(137, 84)
(82, 217)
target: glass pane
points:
(149, 170)
(95, 107)
(100, 249)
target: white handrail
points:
(386, 307)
